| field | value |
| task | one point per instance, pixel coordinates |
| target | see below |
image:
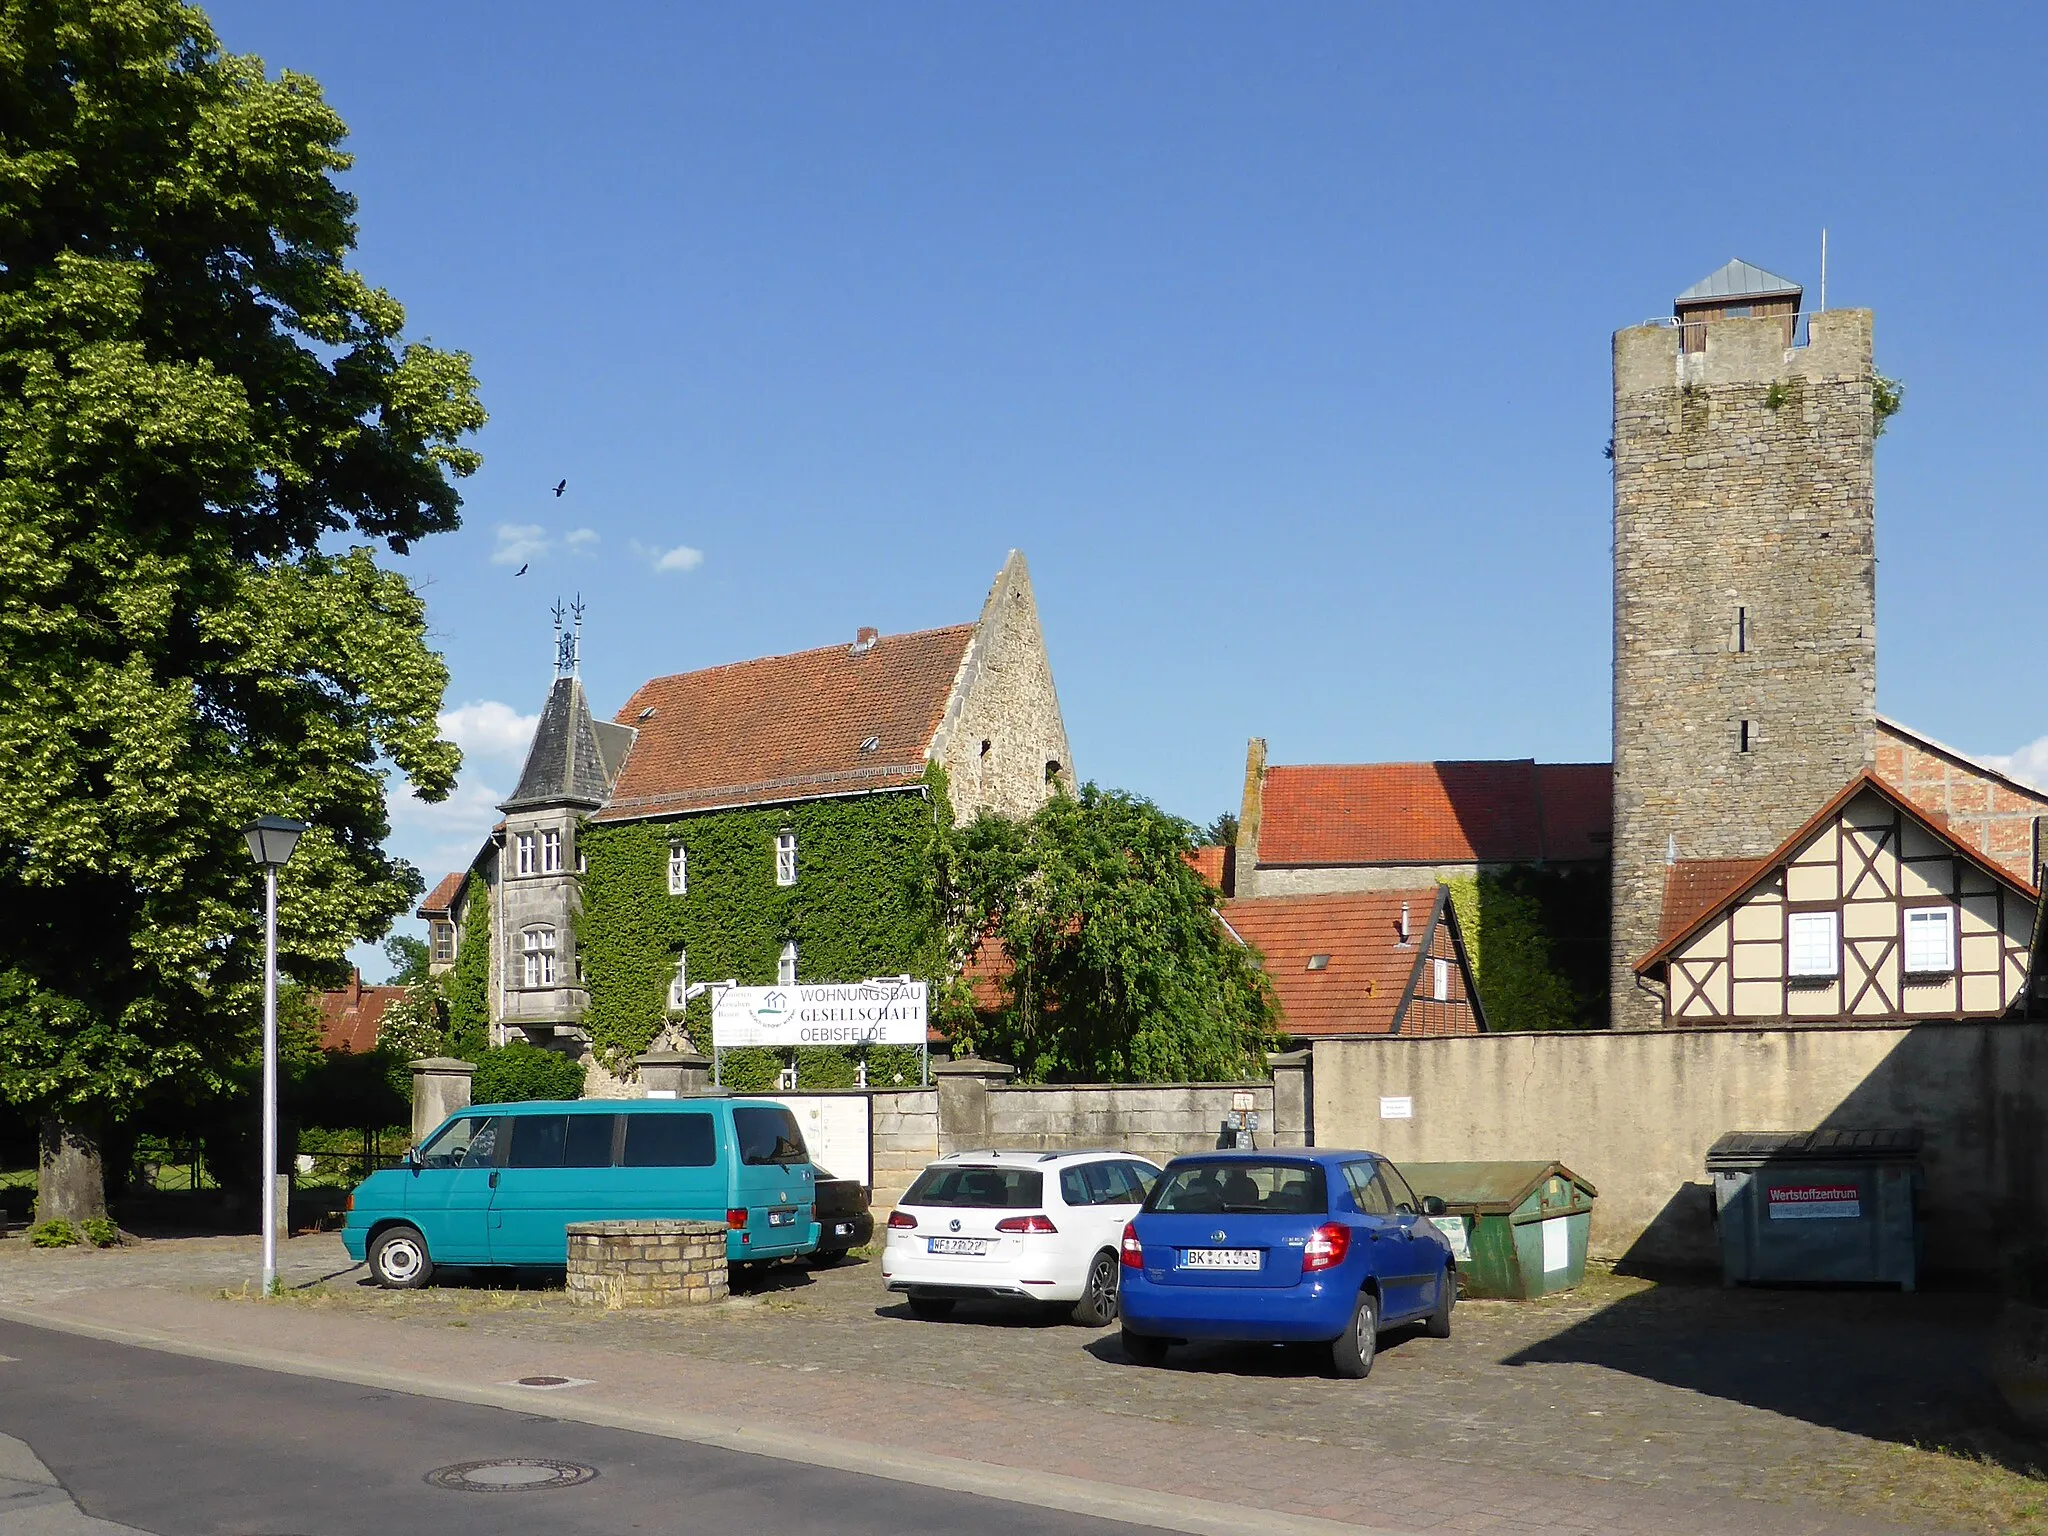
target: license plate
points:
(1220, 1258)
(842, 1229)
(782, 1218)
(968, 1245)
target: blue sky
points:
(1276, 337)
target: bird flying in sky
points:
(522, 570)
(561, 486)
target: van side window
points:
(471, 1142)
(589, 1143)
(537, 1141)
(670, 1141)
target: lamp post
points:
(271, 841)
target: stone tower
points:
(1745, 639)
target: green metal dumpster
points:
(1518, 1229)
(1829, 1206)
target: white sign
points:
(1815, 1202)
(1557, 1244)
(1453, 1227)
(883, 1012)
(1397, 1106)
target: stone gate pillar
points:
(963, 1101)
(440, 1086)
(673, 1074)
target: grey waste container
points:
(1817, 1206)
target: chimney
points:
(1244, 867)
(355, 986)
(864, 640)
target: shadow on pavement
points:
(1271, 1361)
(1907, 1368)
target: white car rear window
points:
(1001, 1189)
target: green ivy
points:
(468, 981)
(1538, 946)
(520, 1073)
(864, 904)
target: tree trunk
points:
(70, 1176)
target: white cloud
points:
(518, 543)
(438, 838)
(489, 729)
(580, 541)
(2029, 764)
(681, 558)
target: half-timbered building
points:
(1873, 911)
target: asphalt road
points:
(184, 1447)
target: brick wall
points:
(1742, 481)
(1986, 812)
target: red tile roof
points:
(351, 1018)
(787, 727)
(440, 900)
(1360, 988)
(1208, 862)
(1694, 886)
(1436, 813)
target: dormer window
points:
(678, 870)
(444, 941)
(785, 858)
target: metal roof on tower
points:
(1739, 280)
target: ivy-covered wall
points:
(864, 904)
(1537, 940)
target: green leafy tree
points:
(201, 404)
(518, 1073)
(1222, 832)
(407, 957)
(1119, 969)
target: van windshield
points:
(1241, 1185)
(1000, 1189)
(471, 1142)
(768, 1134)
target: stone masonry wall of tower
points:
(1744, 591)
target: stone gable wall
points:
(1743, 479)
(1005, 697)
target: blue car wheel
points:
(1352, 1351)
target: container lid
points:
(1486, 1189)
(1823, 1146)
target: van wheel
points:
(931, 1308)
(399, 1259)
(1439, 1324)
(1097, 1306)
(1352, 1351)
(1143, 1349)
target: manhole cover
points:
(548, 1383)
(513, 1474)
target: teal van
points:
(499, 1184)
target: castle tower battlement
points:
(1745, 604)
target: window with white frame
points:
(785, 967)
(522, 850)
(538, 947)
(1442, 990)
(551, 853)
(444, 942)
(678, 870)
(1813, 945)
(679, 985)
(785, 858)
(1930, 940)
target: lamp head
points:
(272, 839)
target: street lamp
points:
(271, 841)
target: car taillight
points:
(1326, 1247)
(1134, 1251)
(736, 1217)
(902, 1221)
(350, 1203)
(1026, 1224)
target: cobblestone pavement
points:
(1818, 1406)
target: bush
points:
(514, 1074)
(53, 1234)
(100, 1232)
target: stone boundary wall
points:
(1634, 1112)
(904, 1136)
(646, 1263)
(1152, 1121)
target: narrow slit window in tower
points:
(1744, 744)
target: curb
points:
(1043, 1490)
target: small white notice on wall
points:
(1397, 1106)
(1557, 1244)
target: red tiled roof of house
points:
(441, 899)
(1208, 862)
(1436, 813)
(1693, 886)
(1360, 987)
(351, 1018)
(787, 727)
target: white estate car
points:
(1035, 1226)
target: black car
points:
(844, 1220)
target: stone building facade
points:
(1745, 614)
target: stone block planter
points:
(646, 1263)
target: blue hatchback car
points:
(1293, 1247)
